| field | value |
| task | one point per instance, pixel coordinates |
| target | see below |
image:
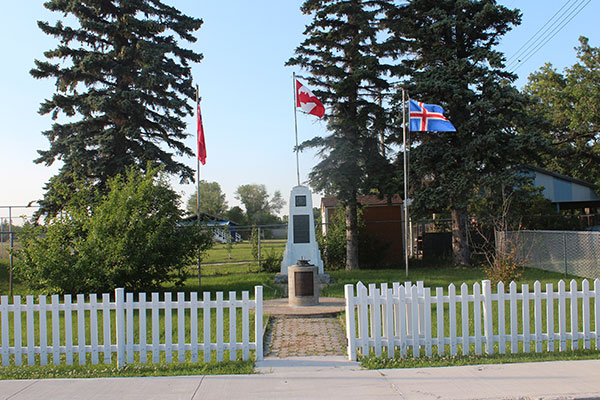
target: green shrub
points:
(504, 268)
(128, 238)
(271, 261)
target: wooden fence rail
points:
(130, 328)
(410, 319)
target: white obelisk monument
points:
(301, 242)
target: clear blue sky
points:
(247, 93)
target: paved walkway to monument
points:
(301, 336)
(304, 331)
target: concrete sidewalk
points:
(335, 378)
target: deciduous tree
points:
(260, 209)
(570, 103)
(131, 237)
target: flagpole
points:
(198, 185)
(404, 203)
(296, 128)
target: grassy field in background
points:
(240, 252)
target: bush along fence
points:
(409, 320)
(130, 328)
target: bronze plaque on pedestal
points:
(304, 283)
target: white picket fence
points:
(400, 318)
(115, 320)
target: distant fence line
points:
(569, 252)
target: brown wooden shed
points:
(383, 221)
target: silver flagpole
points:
(198, 186)
(405, 182)
(296, 128)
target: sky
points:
(246, 90)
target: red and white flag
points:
(201, 142)
(307, 101)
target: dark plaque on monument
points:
(301, 229)
(300, 201)
(304, 283)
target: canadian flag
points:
(307, 101)
(201, 141)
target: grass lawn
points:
(434, 277)
(219, 260)
(240, 252)
(373, 362)
(111, 370)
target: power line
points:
(550, 32)
(572, 15)
(508, 61)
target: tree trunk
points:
(351, 235)
(460, 247)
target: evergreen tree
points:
(343, 53)
(123, 83)
(453, 63)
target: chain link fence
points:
(568, 252)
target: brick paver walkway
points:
(292, 336)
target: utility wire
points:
(509, 60)
(530, 48)
(552, 34)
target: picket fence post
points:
(143, 327)
(402, 318)
(258, 321)
(245, 326)
(30, 334)
(439, 298)
(537, 308)
(4, 328)
(350, 321)
(501, 320)
(574, 316)
(597, 312)
(550, 316)
(206, 325)
(120, 326)
(585, 293)
(180, 327)
(17, 329)
(389, 317)
(43, 330)
(488, 330)
(232, 327)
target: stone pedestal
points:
(303, 285)
(301, 243)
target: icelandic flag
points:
(428, 118)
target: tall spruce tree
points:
(123, 83)
(343, 54)
(453, 63)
